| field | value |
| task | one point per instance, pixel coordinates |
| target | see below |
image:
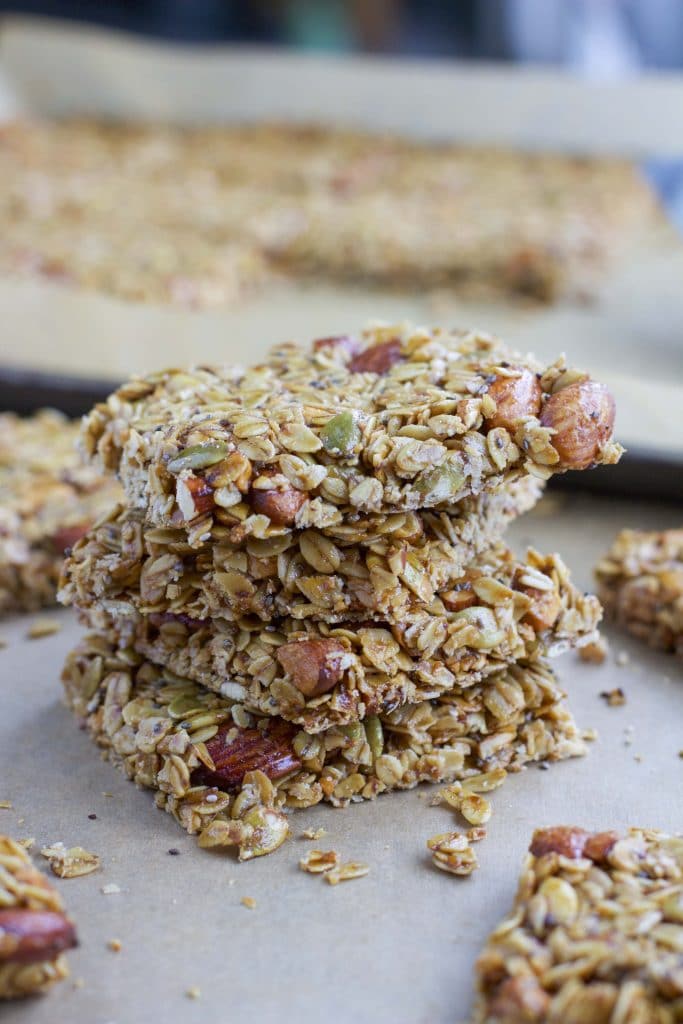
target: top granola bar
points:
(399, 418)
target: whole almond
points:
(566, 840)
(515, 397)
(378, 358)
(280, 506)
(30, 936)
(314, 666)
(236, 752)
(582, 416)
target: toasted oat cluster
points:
(34, 929)
(641, 585)
(226, 773)
(48, 500)
(321, 674)
(596, 933)
(224, 208)
(398, 419)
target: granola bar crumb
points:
(173, 852)
(317, 862)
(451, 852)
(6, 805)
(70, 863)
(42, 627)
(111, 889)
(193, 992)
(249, 902)
(115, 945)
(614, 698)
(311, 833)
(346, 872)
(622, 659)
(595, 652)
(475, 835)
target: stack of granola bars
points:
(306, 595)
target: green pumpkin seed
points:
(374, 735)
(340, 434)
(440, 483)
(198, 456)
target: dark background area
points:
(604, 37)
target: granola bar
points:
(400, 419)
(319, 674)
(48, 500)
(378, 567)
(596, 933)
(641, 584)
(34, 929)
(338, 204)
(225, 772)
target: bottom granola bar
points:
(34, 930)
(641, 584)
(219, 768)
(595, 936)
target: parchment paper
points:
(395, 947)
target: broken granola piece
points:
(34, 930)
(317, 862)
(559, 957)
(451, 852)
(641, 585)
(70, 863)
(48, 499)
(347, 872)
(594, 652)
(614, 698)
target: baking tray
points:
(67, 347)
(396, 947)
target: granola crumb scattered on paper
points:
(6, 805)
(115, 945)
(317, 862)
(614, 698)
(249, 902)
(111, 889)
(78, 983)
(623, 658)
(451, 851)
(346, 872)
(595, 652)
(27, 843)
(174, 852)
(70, 863)
(590, 735)
(313, 833)
(475, 835)
(193, 992)
(43, 627)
